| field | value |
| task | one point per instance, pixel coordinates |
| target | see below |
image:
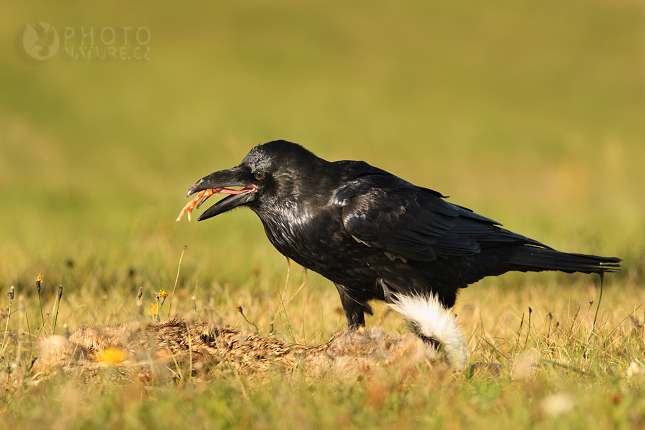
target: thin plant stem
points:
(241, 311)
(49, 323)
(564, 366)
(6, 329)
(282, 296)
(139, 303)
(528, 331)
(190, 353)
(155, 317)
(284, 304)
(602, 278)
(21, 315)
(176, 279)
(40, 302)
(57, 307)
(519, 332)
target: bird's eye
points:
(259, 175)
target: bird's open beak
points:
(219, 182)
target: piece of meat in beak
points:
(218, 183)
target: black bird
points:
(379, 237)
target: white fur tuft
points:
(433, 321)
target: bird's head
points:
(268, 173)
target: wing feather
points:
(409, 222)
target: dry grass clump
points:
(197, 346)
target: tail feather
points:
(433, 323)
(538, 259)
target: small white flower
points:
(635, 369)
(557, 404)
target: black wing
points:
(414, 223)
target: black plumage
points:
(373, 234)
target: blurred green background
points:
(531, 113)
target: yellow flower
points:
(153, 310)
(112, 355)
(40, 279)
(163, 294)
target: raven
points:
(377, 236)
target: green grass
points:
(531, 114)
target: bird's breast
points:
(320, 243)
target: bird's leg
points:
(354, 310)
